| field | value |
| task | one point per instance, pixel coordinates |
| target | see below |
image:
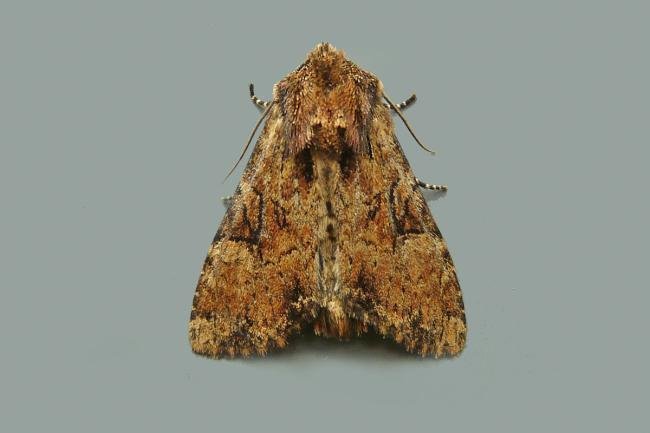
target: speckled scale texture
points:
(327, 231)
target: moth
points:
(328, 230)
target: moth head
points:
(327, 103)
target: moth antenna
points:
(401, 116)
(250, 138)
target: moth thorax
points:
(328, 137)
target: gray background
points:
(119, 120)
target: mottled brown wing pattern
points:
(328, 229)
(251, 293)
(396, 268)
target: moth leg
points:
(430, 186)
(404, 105)
(227, 200)
(257, 101)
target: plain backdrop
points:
(119, 120)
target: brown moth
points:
(328, 229)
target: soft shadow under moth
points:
(328, 229)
